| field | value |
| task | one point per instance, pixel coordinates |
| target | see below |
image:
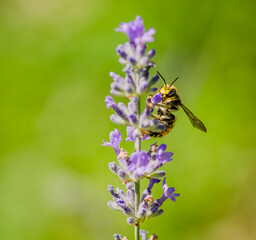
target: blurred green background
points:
(55, 59)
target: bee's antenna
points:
(174, 80)
(161, 77)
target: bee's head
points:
(168, 90)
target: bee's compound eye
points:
(171, 93)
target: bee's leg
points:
(159, 111)
(155, 116)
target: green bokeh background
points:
(55, 59)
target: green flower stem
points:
(137, 184)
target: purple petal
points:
(142, 86)
(153, 181)
(156, 98)
(165, 157)
(134, 31)
(129, 131)
(146, 114)
(164, 185)
(148, 35)
(106, 143)
(115, 139)
(115, 136)
(121, 51)
(132, 105)
(169, 192)
(161, 149)
(109, 102)
(153, 81)
(151, 53)
(139, 162)
(117, 120)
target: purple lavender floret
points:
(159, 158)
(135, 31)
(169, 192)
(115, 139)
(138, 163)
(163, 156)
(146, 164)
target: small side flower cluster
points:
(148, 208)
(140, 164)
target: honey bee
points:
(170, 103)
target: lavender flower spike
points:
(136, 84)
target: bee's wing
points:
(193, 119)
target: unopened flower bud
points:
(157, 213)
(153, 89)
(142, 212)
(114, 206)
(152, 210)
(144, 60)
(128, 211)
(130, 220)
(151, 53)
(114, 167)
(132, 61)
(121, 193)
(118, 237)
(122, 174)
(117, 120)
(153, 80)
(157, 174)
(131, 197)
(129, 185)
(112, 191)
